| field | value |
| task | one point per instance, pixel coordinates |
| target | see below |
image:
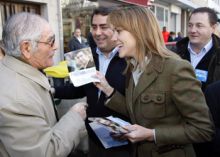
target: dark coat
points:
(74, 44)
(96, 106)
(167, 98)
(210, 62)
(212, 94)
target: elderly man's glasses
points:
(51, 41)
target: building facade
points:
(174, 14)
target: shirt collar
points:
(205, 49)
(111, 54)
(135, 64)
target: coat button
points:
(146, 97)
(159, 98)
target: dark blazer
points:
(167, 98)
(74, 44)
(210, 62)
(212, 94)
(96, 106)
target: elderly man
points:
(202, 49)
(28, 124)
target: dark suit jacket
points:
(210, 62)
(96, 106)
(74, 44)
(167, 98)
(213, 100)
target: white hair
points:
(20, 27)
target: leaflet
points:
(81, 66)
(104, 127)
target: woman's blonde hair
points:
(143, 25)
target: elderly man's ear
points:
(26, 48)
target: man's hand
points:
(80, 108)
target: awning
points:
(136, 2)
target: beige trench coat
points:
(28, 127)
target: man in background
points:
(165, 34)
(212, 95)
(202, 49)
(77, 41)
(29, 125)
(172, 37)
(179, 36)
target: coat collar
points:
(183, 51)
(151, 72)
(26, 70)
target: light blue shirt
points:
(104, 61)
(196, 58)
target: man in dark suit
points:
(77, 41)
(202, 47)
(212, 95)
(108, 62)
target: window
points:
(8, 8)
(162, 15)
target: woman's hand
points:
(103, 84)
(138, 133)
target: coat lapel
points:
(144, 81)
(151, 72)
(129, 91)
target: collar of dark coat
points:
(183, 44)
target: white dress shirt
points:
(195, 58)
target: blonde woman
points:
(163, 97)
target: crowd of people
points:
(170, 98)
(171, 36)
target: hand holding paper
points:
(104, 128)
(82, 67)
(113, 126)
